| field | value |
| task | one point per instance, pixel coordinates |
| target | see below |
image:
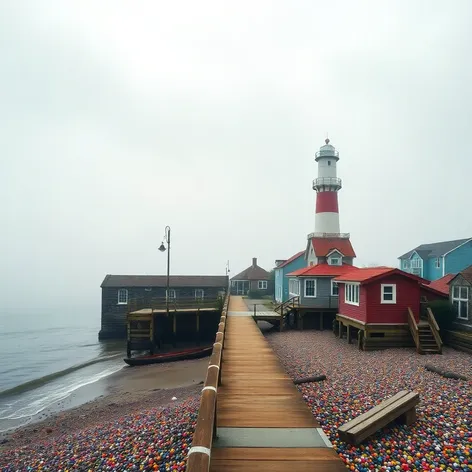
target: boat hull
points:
(169, 357)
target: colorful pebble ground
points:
(158, 440)
(441, 439)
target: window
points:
(388, 293)
(262, 284)
(199, 294)
(334, 261)
(351, 294)
(437, 263)
(406, 264)
(172, 294)
(293, 287)
(334, 288)
(460, 301)
(122, 296)
(329, 163)
(310, 288)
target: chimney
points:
(254, 261)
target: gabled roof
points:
(323, 246)
(369, 274)
(253, 272)
(198, 281)
(435, 249)
(442, 284)
(466, 273)
(291, 259)
(322, 270)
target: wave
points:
(35, 383)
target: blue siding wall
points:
(281, 281)
(459, 258)
(432, 272)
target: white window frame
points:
(394, 294)
(172, 294)
(262, 284)
(437, 263)
(334, 284)
(460, 299)
(122, 291)
(339, 261)
(352, 293)
(405, 264)
(294, 287)
(314, 288)
(199, 290)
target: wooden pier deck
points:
(262, 421)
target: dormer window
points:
(334, 261)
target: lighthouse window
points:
(329, 163)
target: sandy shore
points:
(130, 390)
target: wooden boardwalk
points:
(262, 421)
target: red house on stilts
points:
(381, 307)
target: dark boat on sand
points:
(194, 353)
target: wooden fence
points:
(199, 454)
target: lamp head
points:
(162, 248)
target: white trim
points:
(414, 252)
(444, 266)
(460, 300)
(294, 279)
(172, 291)
(333, 282)
(352, 291)
(120, 290)
(465, 242)
(199, 290)
(314, 288)
(437, 263)
(264, 285)
(335, 250)
(393, 301)
(339, 259)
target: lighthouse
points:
(327, 245)
(327, 186)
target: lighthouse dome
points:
(328, 150)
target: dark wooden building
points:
(123, 293)
(254, 278)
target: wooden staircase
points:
(286, 307)
(425, 333)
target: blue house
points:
(433, 261)
(284, 267)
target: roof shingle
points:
(198, 281)
(435, 249)
(323, 246)
(442, 284)
(322, 270)
(291, 259)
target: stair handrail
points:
(414, 329)
(434, 328)
(290, 301)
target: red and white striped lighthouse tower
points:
(327, 185)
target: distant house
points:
(120, 291)
(460, 291)
(433, 261)
(376, 301)
(251, 279)
(283, 267)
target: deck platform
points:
(153, 311)
(263, 423)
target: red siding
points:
(408, 295)
(431, 296)
(353, 311)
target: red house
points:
(374, 305)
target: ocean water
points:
(45, 358)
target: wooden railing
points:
(414, 330)
(136, 304)
(205, 429)
(434, 328)
(290, 303)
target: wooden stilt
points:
(348, 334)
(198, 327)
(340, 330)
(321, 321)
(174, 329)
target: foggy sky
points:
(119, 118)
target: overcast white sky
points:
(119, 118)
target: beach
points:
(136, 424)
(130, 390)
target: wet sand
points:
(130, 390)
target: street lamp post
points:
(162, 248)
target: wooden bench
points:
(401, 406)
